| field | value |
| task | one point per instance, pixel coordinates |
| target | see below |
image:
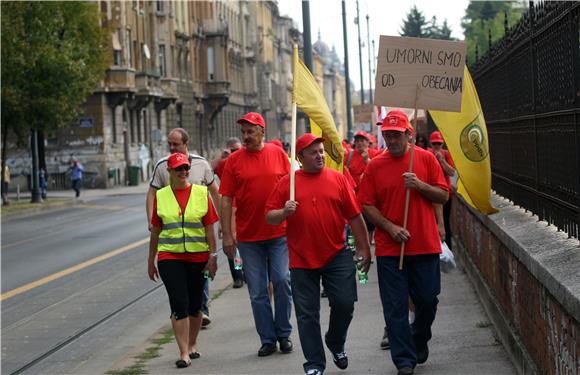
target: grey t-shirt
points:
(199, 174)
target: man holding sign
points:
(382, 194)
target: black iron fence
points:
(529, 88)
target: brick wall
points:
(528, 277)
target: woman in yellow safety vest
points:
(183, 240)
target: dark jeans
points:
(76, 185)
(447, 222)
(338, 279)
(420, 279)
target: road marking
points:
(78, 267)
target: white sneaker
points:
(205, 320)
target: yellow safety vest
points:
(186, 232)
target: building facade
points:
(199, 65)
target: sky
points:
(385, 18)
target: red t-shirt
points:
(326, 201)
(383, 186)
(219, 169)
(182, 196)
(449, 160)
(249, 177)
(357, 164)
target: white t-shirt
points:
(199, 174)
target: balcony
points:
(215, 28)
(169, 88)
(148, 84)
(119, 80)
(216, 89)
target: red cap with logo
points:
(436, 137)
(177, 159)
(396, 120)
(306, 140)
(362, 133)
(253, 118)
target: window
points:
(162, 65)
(116, 48)
(128, 49)
(160, 6)
(210, 64)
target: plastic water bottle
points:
(350, 241)
(238, 263)
(363, 277)
(207, 275)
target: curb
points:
(47, 206)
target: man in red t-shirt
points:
(324, 203)
(382, 195)
(448, 167)
(249, 176)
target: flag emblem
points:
(472, 141)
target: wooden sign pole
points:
(408, 192)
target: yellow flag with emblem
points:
(308, 97)
(465, 135)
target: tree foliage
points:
(485, 17)
(53, 56)
(415, 25)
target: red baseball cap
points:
(362, 133)
(306, 140)
(396, 120)
(177, 159)
(253, 118)
(436, 137)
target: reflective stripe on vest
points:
(182, 233)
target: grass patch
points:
(483, 324)
(139, 367)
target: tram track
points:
(69, 340)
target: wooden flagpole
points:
(408, 192)
(293, 153)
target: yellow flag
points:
(308, 97)
(465, 135)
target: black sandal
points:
(194, 355)
(180, 363)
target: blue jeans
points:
(420, 279)
(266, 261)
(338, 279)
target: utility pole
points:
(369, 53)
(307, 44)
(374, 58)
(34, 180)
(362, 88)
(346, 76)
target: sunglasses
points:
(182, 168)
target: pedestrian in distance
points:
(249, 177)
(382, 195)
(200, 173)
(5, 184)
(76, 175)
(325, 201)
(183, 241)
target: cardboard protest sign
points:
(436, 66)
(362, 113)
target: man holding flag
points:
(324, 203)
(382, 194)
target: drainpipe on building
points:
(126, 152)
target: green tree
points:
(414, 25)
(53, 56)
(481, 17)
(434, 31)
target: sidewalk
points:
(463, 339)
(59, 199)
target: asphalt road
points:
(81, 272)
